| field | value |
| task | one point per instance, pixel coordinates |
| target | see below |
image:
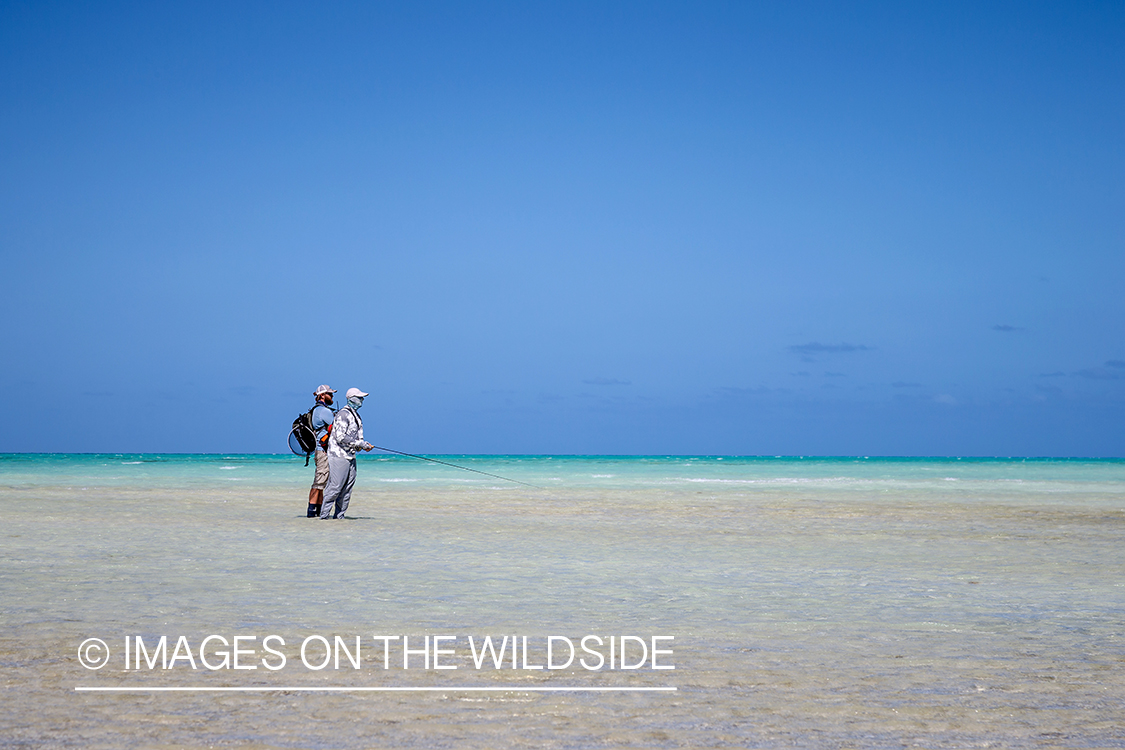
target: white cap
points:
(356, 392)
(322, 389)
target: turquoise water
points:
(551, 471)
(814, 602)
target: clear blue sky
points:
(744, 228)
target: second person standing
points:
(345, 440)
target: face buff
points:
(355, 402)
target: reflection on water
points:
(814, 603)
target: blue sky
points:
(788, 228)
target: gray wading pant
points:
(341, 479)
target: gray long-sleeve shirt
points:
(347, 434)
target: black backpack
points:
(302, 438)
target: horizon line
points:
(767, 456)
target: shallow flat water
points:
(814, 603)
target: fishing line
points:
(455, 466)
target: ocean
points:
(687, 602)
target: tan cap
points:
(321, 390)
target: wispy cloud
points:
(1117, 363)
(606, 381)
(1004, 328)
(818, 348)
(903, 384)
(735, 392)
(1056, 374)
(1109, 372)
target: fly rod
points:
(455, 466)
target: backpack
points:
(302, 438)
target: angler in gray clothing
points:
(343, 443)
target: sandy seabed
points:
(876, 616)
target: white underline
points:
(455, 689)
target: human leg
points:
(338, 470)
(320, 481)
(345, 496)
